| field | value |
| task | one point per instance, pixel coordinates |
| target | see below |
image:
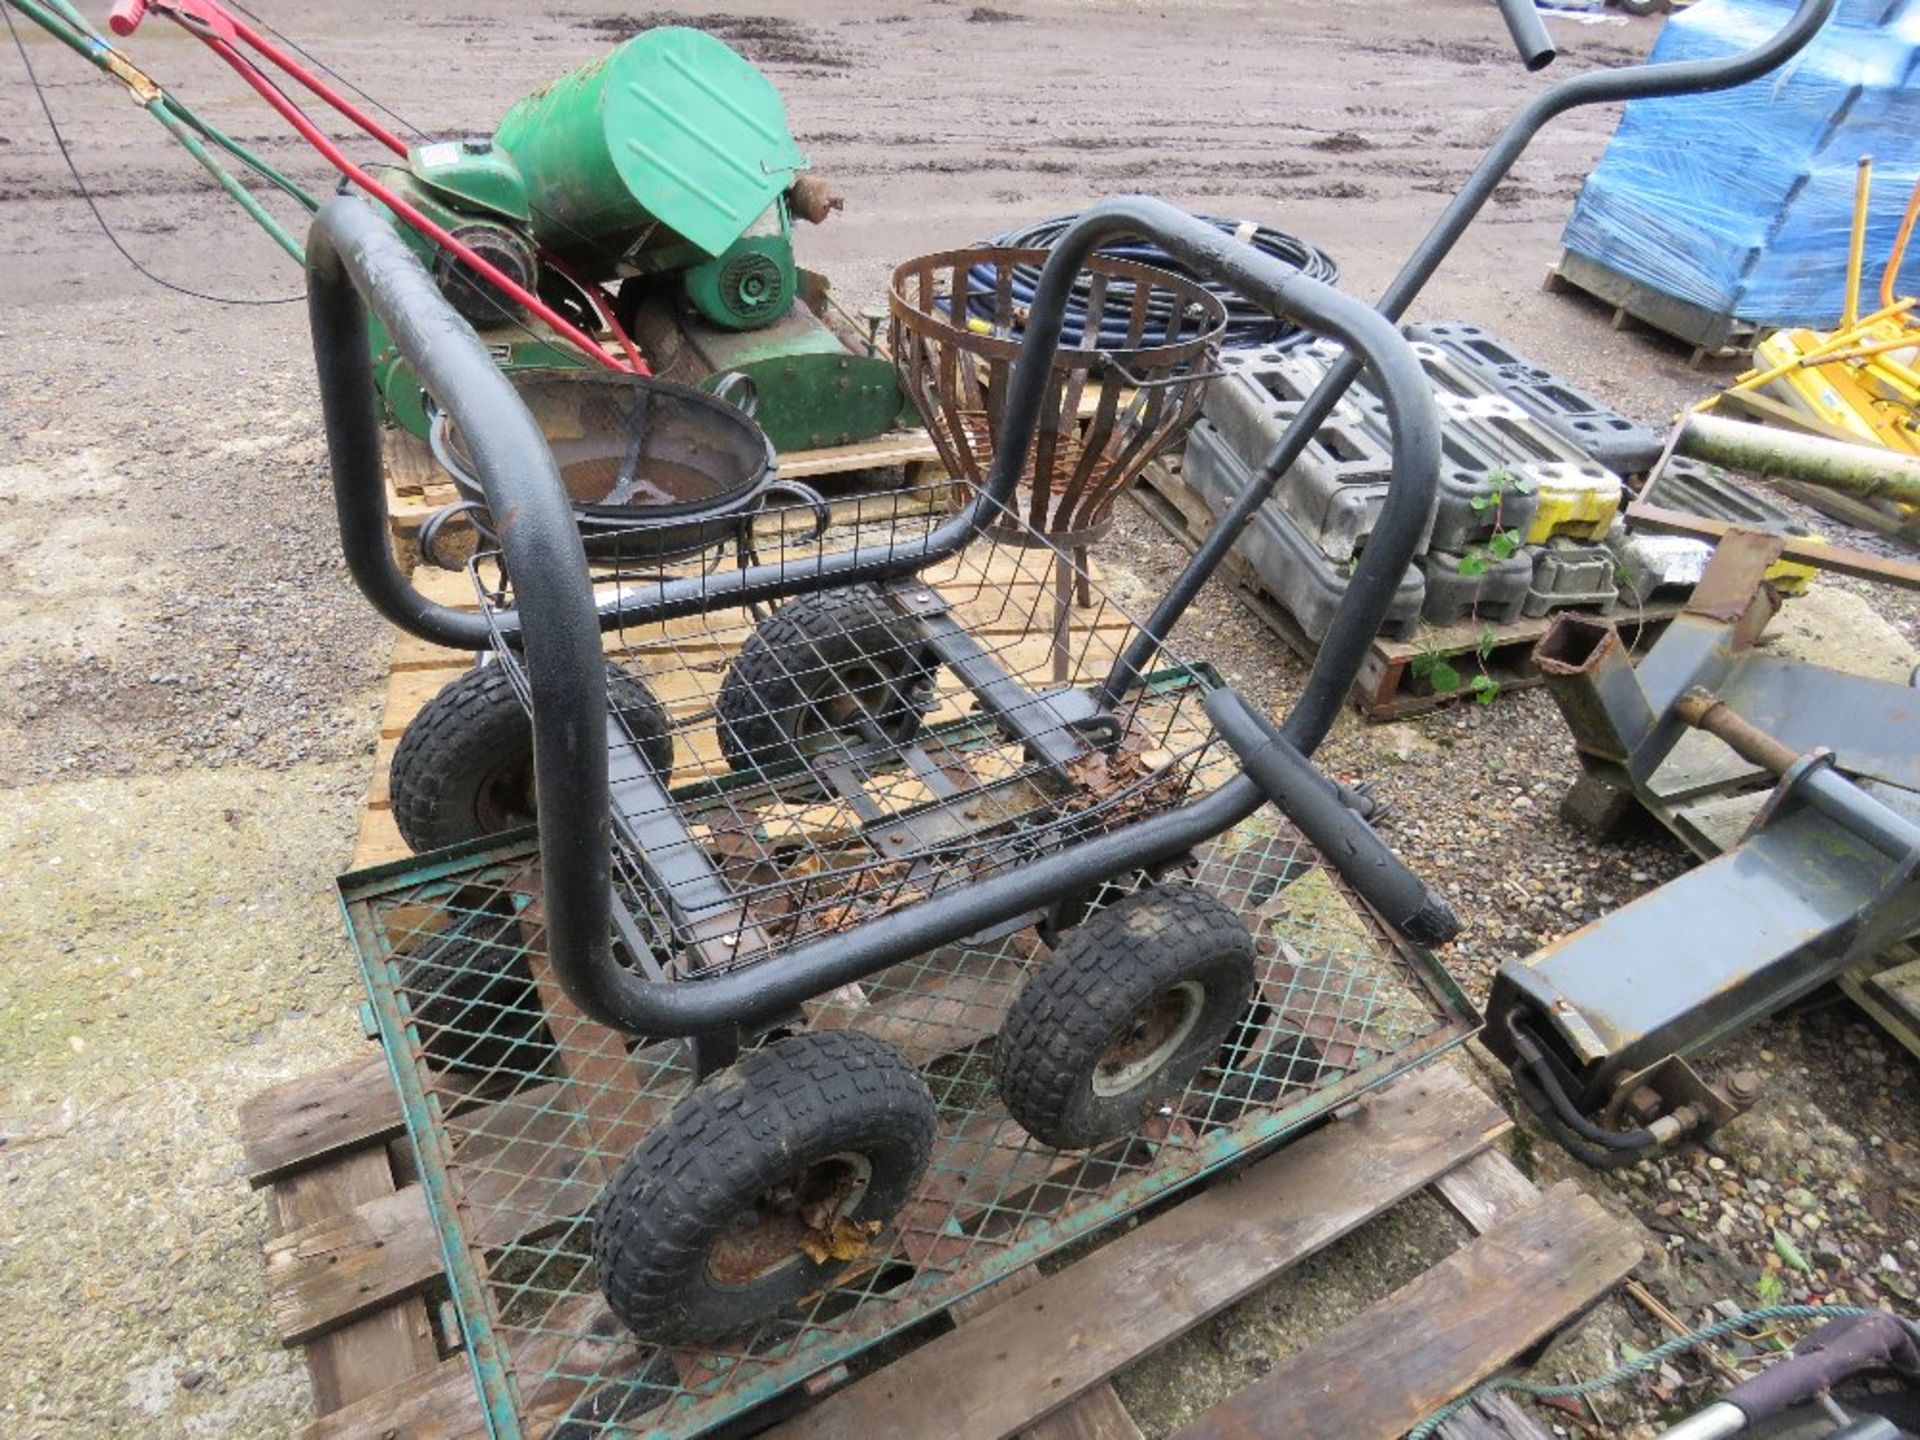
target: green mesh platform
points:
(519, 1108)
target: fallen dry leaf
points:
(843, 1240)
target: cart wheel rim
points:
(504, 799)
(1151, 1037)
(766, 1237)
(855, 693)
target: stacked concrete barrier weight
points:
(1335, 490)
(1595, 428)
(1569, 574)
(1475, 587)
(1504, 470)
(1290, 565)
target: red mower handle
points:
(126, 16)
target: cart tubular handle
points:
(1314, 804)
(1280, 288)
(1529, 33)
(354, 254)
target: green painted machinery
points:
(656, 187)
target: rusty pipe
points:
(1591, 678)
(1706, 711)
(1811, 777)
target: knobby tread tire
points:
(473, 729)
(1103, 972)
(782, 667)
(800, 1100)
(474, 1001)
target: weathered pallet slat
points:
(291, 1126)
(368, 1355)
(1079, 1325)
(340, 1267)
(1452, 1327)
(1486, 1191)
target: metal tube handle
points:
(1529, 33)
(1314, 803)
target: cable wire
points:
(328, 70)
(1247, 323)
(1656, 1356)
(60, 143)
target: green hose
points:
(1653, 1357)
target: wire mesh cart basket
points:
(882, 931)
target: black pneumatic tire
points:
(464, 765)
(473, 998)
(787, 690)
(668, 1227)
(1127, 1009)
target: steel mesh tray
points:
(519, 1108)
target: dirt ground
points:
(196, 685)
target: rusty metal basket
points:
(1110, 408)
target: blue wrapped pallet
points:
(1739, 203)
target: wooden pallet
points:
(1713, 336)
(354, 1276)
(417, 486)
(1388, 686)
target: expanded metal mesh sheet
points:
(521, 1109)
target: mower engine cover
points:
(671, 130)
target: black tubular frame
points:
(1307, 725)
(354, 253)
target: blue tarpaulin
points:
(1741, 202)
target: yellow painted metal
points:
(1857, 243)
(1574, 505)
(1890, 276)
(1825, 391)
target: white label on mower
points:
(445, 152)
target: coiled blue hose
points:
(1247, 325)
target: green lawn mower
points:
(635, 215)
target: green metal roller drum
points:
(671, 129)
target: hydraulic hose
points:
(1615, 1148)
(1247, 323)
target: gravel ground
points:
(196, 686)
